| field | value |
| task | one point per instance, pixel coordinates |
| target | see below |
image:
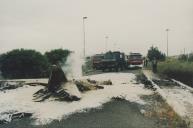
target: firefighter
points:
(154, 65)
(145, 62)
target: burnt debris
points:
(141, 78)
(56, 79)
(56, 87)
(15, 116)
(59, 89)
(8, 85)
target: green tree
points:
(21, 63)
(57, 56)
(154, 52)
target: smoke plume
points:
(73, 66)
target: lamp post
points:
(167, 31)
(84, 36)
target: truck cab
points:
(134, 59)
(96, 61)
(113, 61)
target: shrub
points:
(21, 63)
(154, 52)
(57, 56)
(182, 71)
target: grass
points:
(179, 70)
(158, 108)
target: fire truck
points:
(134, 59)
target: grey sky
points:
(132, 25)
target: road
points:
(124, 104)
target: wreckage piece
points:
(37, 84)
(16, 116)
(59, 88)
(8, 85)
(67, 92)
(106, 82)
(56, 79)
(85, 85)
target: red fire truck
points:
(134, 59)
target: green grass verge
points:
(179, 70)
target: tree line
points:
(27, 63)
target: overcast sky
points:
(131, 25)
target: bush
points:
(21, 63)
(57, 56)
(182, 71)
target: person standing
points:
(154, 65)
(145, 63)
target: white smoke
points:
(73, 66)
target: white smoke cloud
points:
(73, 66)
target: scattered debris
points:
(8, 85)
(15, 116)
(119, 98)
(141, 78)
(165, 82)
(107, 82)
(85, 85)
(37, 84)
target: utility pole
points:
(84, 37)
(167, 31)
(106, 43)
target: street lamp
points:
(84, 36)
(167, 31)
